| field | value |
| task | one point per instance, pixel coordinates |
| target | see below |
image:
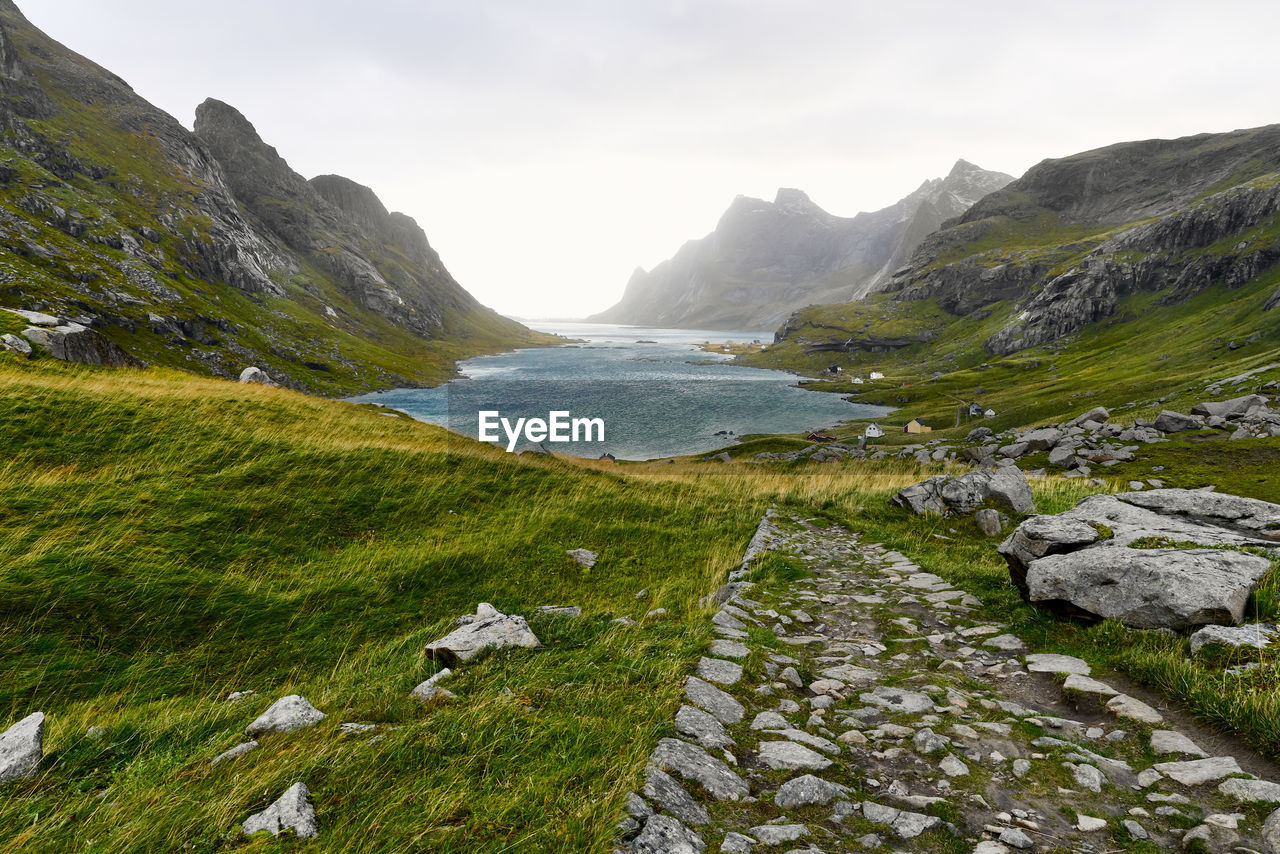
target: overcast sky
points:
(549, 147)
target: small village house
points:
(819, 436)
(873, 431)
(915, 425)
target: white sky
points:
(548, 147)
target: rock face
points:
(489, 629)
(1005, 487)
(766, 259)
(212, 216)
(1066, 562)
(1173, 217)
(292, 811)
(22, 748)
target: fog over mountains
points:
(765, 259)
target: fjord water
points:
(657, 393)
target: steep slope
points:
(1103, 237)
(209, 256)
(764, 260)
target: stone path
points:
(868, 708)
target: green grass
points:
(168, 540)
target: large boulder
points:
(72, 342)
(1085, 562)
(22, 748)
(1006, 487)
(1043, 439)
(1175, 422)
(1098, 414)
(256, 375)
(488, 629)
(1235, 408)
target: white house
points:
(990, 413)
(876, 375)
(857, 380)
(873, 431)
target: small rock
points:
(1124, 706)
(703, 726)
(22, 748)
(736, 843)
(720, 671)
(292, 811)
(1195, 772)
(1005, 643)
(696, 765)
(661, 788)
(1016, 837)
(1135, 830)
(1171, 741)
(1253, 791)
(286, 715)
(807, 790)
(585, 557)
(238, 750)
(776, 834)
(663, 834)
(1088, 824)
(953, 767)
(1048, 662)
(256, 375)
(787, 755)
(725, 708)
(489, 629)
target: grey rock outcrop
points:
(72, 342)
(1005, 487)
(1255, 635)
(22, 748)
(489, 629)
(663, 834)
(291, 811)
(286, 715)
(1065, 562)
(256, 375)
(698, 766)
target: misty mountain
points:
(766, 259)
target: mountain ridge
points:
(114, 215)
(765, 259)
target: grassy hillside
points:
(170, 539)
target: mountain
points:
(765, 260)
(1184, 232)
(204, 251)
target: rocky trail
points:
(889, 716)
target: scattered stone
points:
(725, 708)
(702, 726)
(787, 755)
(1124, 706)
(292, 811)
(585, 557)
(1172, 741)
(663, 834)
(286, 715)
(1253, 791)
(1255, 635)
(1089, 824)
(776, 834)
(560, 610)
(729, 649)
(1005, 643)
(489, 629)
(1016, 837)
(1087, 777)
(661, 788)
(1050, 662)
(953, 767)
(22, 748)
(898, 700)
(1196, 772)
(238, 750)
(696, 765)
(807, 790)
(258, 376)
(719, 670)
(737, 843)
(1135, 830)
(1085, 685)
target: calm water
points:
(653, 401)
